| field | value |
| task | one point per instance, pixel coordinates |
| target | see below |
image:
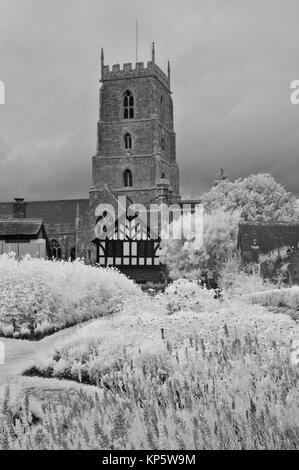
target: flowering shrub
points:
(287, 297)
(139, 333)
(207, 374)
(38, 297)
(275, 265)
(274, 256)
(236, 393)
(184, 294)
(235, 279)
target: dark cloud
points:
(232, 65)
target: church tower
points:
(136, 148)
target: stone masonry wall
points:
(153, 152)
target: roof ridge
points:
(24, 220)
(47, 200)
(269, 223)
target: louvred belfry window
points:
(128, 141)
(128, 105)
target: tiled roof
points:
(268, 235)
(51, 212)
(20, 227)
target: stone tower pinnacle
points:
(153, 52)
(102, 61)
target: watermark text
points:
(181, 221)
(2, 92)
(294, 97)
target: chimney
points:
(19, 208)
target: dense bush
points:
(190, 259)
(236, 279)
(38, 297)
(287, 297)
(275, 265)
(190, 295)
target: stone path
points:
(20, 354)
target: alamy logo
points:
(2, 92)
(174, 222)
(2, 353)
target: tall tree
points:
(186, 259)
(258, 197)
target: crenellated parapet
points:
(128, 71)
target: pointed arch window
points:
(55, 249)
(128, 105)
(128, 179)
(128, 141)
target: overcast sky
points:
(232, 65)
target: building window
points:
(128, 105)
(163, 176)
(55, 249)
(115, 248)
(119, 249)
(128, 141)
(163, 144)
(128, 179)
(145, 249)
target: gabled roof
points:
(21, 228)
(268, 236)
(131, 226)
(127, 224)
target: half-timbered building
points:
(135, 162)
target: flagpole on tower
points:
(136, 41)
